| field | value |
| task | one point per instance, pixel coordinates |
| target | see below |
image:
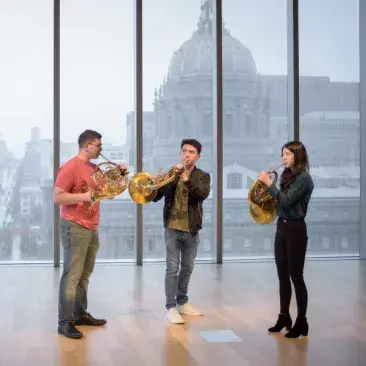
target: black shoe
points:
(88, 319)
(284, 320)
(68, 330)
(301, 328)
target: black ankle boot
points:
(284, 320)
(301, 328)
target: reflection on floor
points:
(240, 302)
(219, 336)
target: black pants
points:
(290, 249)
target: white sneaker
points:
(174, 317)
(188, 309)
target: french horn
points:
(262, 206)
(143, 187)
(110, 181)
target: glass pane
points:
(97, 86)
(26, 146)
(177, 69)
(330, 122)
(255, 115)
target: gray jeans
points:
(80, 249)
(180, 247)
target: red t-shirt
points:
(72, 177)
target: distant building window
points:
(206, 245)
(250, 182)
(130, 244)
(151, 245)
(325, 243)
(344, 242)
(248, 124)
(267, 243)
(227, 245)
(247, 243)
(229, 124)
(207, 125)
(185, 127)
(167, 128)
(234, 181)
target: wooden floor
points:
(240, 297)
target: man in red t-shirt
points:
(79, 234)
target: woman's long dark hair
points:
(301, 163)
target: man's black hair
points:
(192, 142)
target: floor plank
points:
(237, 297)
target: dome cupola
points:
(195, 56)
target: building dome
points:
(195, 56)
(183, 104)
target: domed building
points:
(183, 105)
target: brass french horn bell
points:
(262, 206)
(109, 180)
(143, 187)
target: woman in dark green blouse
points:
(296, 187)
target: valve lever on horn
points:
(143, 187)
(109, 180)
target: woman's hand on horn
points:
(265, 178)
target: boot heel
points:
(300, 328)
(305, 330)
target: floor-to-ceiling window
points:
(26, 127)
(330, 122)
(254, 115)
(97, 66)
(97, 92)
(177, 102)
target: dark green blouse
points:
(293, 203)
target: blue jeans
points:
(180, 247)
(80, 250)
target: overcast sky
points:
(97, 55)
